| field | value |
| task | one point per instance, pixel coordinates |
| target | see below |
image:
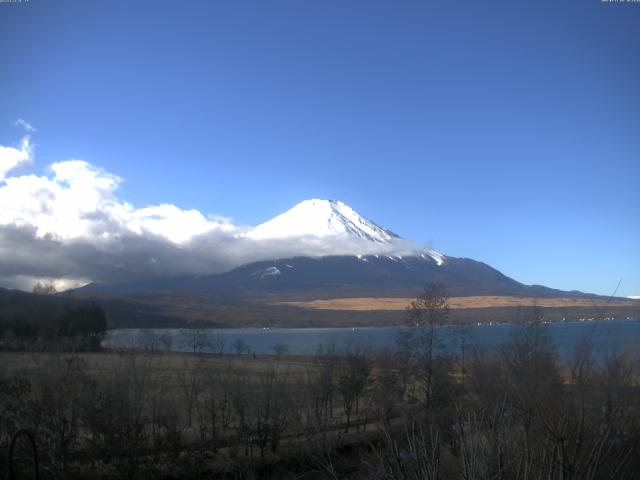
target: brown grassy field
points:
(137, 414)
(167, 365)
(394, 304)
(322, 309)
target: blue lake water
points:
(607, 336)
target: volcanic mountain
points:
(367, 278)
(372, 261)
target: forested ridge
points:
(32, 321)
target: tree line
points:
(37, 322)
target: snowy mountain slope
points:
(322, 218)
(331, 227)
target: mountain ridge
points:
(345, 275)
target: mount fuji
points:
(369, 260)
(347, 259)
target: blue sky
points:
(508, 132)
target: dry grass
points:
(394, 304)
(167, 365)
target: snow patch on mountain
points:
(437, 256)
(634, 297)
(266, 272)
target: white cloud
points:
(78, 202)
(175, 224)
(634, 297)
(12, 157)
(69, 227)
(24, 124)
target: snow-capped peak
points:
(322, 218)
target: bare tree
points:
(352, 381)
(117, 417)
(326, 382)
(214, 410)
(166, 340)
(240, 346)
(197, 339)
(280, 349)
(190, 378)
(217, 343)
(386, 385)
(148, 340)
(413, 455)
(271, 399)
(422, 339)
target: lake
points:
(607, 335)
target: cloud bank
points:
(13, 157)
(69, 228)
